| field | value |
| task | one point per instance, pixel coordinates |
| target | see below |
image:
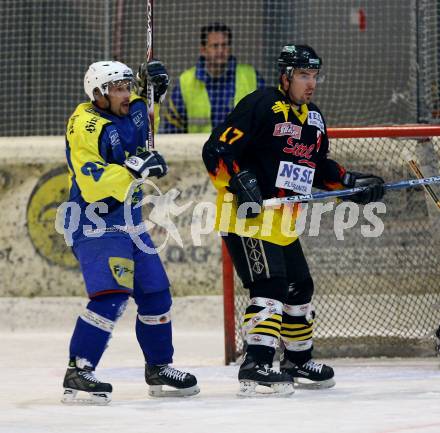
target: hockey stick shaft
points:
(150, 89)
(411, 183)
(416, 170)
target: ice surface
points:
(371, 395)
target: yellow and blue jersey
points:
(97, 144)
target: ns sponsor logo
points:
(296, 172)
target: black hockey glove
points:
(147, 164)
(155, 72)
(374, 192)
(244, 185)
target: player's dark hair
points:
(214, 27)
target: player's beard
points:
(304, 99)
(122, 109)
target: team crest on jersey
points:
(287, 128)
(281, 107)
(138, 118)
(314, 118)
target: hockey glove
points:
(244, 185)
(147, 164)
(155, 72)
(374, 192)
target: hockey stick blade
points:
(403, 184)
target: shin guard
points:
(261, 327)
(153, 327)
(94, 328)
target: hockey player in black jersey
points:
(275, 144)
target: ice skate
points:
(177, 383)
(311, 375)
(83, 380)
(252, 374)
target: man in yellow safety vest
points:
(206, 93)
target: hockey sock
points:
(262, 318)
(297, 326)
(261, 327)
(153, 327)
(94, 328)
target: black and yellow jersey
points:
(284, 147)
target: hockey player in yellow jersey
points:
(107, 150)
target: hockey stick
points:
(418, 173)
(150, 89)
(411, 183)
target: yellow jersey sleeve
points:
(96, 178)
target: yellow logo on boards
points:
(50, 191)
(281, 107)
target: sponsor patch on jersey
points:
(315, 119)
(138, 119)
(287, 128)
(90, 125)
(295, 177)
(114, 138)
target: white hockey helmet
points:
(101, 73)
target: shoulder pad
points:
(86, 119)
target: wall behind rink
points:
(34, 259)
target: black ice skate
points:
(183, 384)
(83, 379)
(252, 374)
(310, 375)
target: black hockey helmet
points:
(298, 57)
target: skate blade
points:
(159, 391)
(95, 398)
(308, 384)
(249, 389)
